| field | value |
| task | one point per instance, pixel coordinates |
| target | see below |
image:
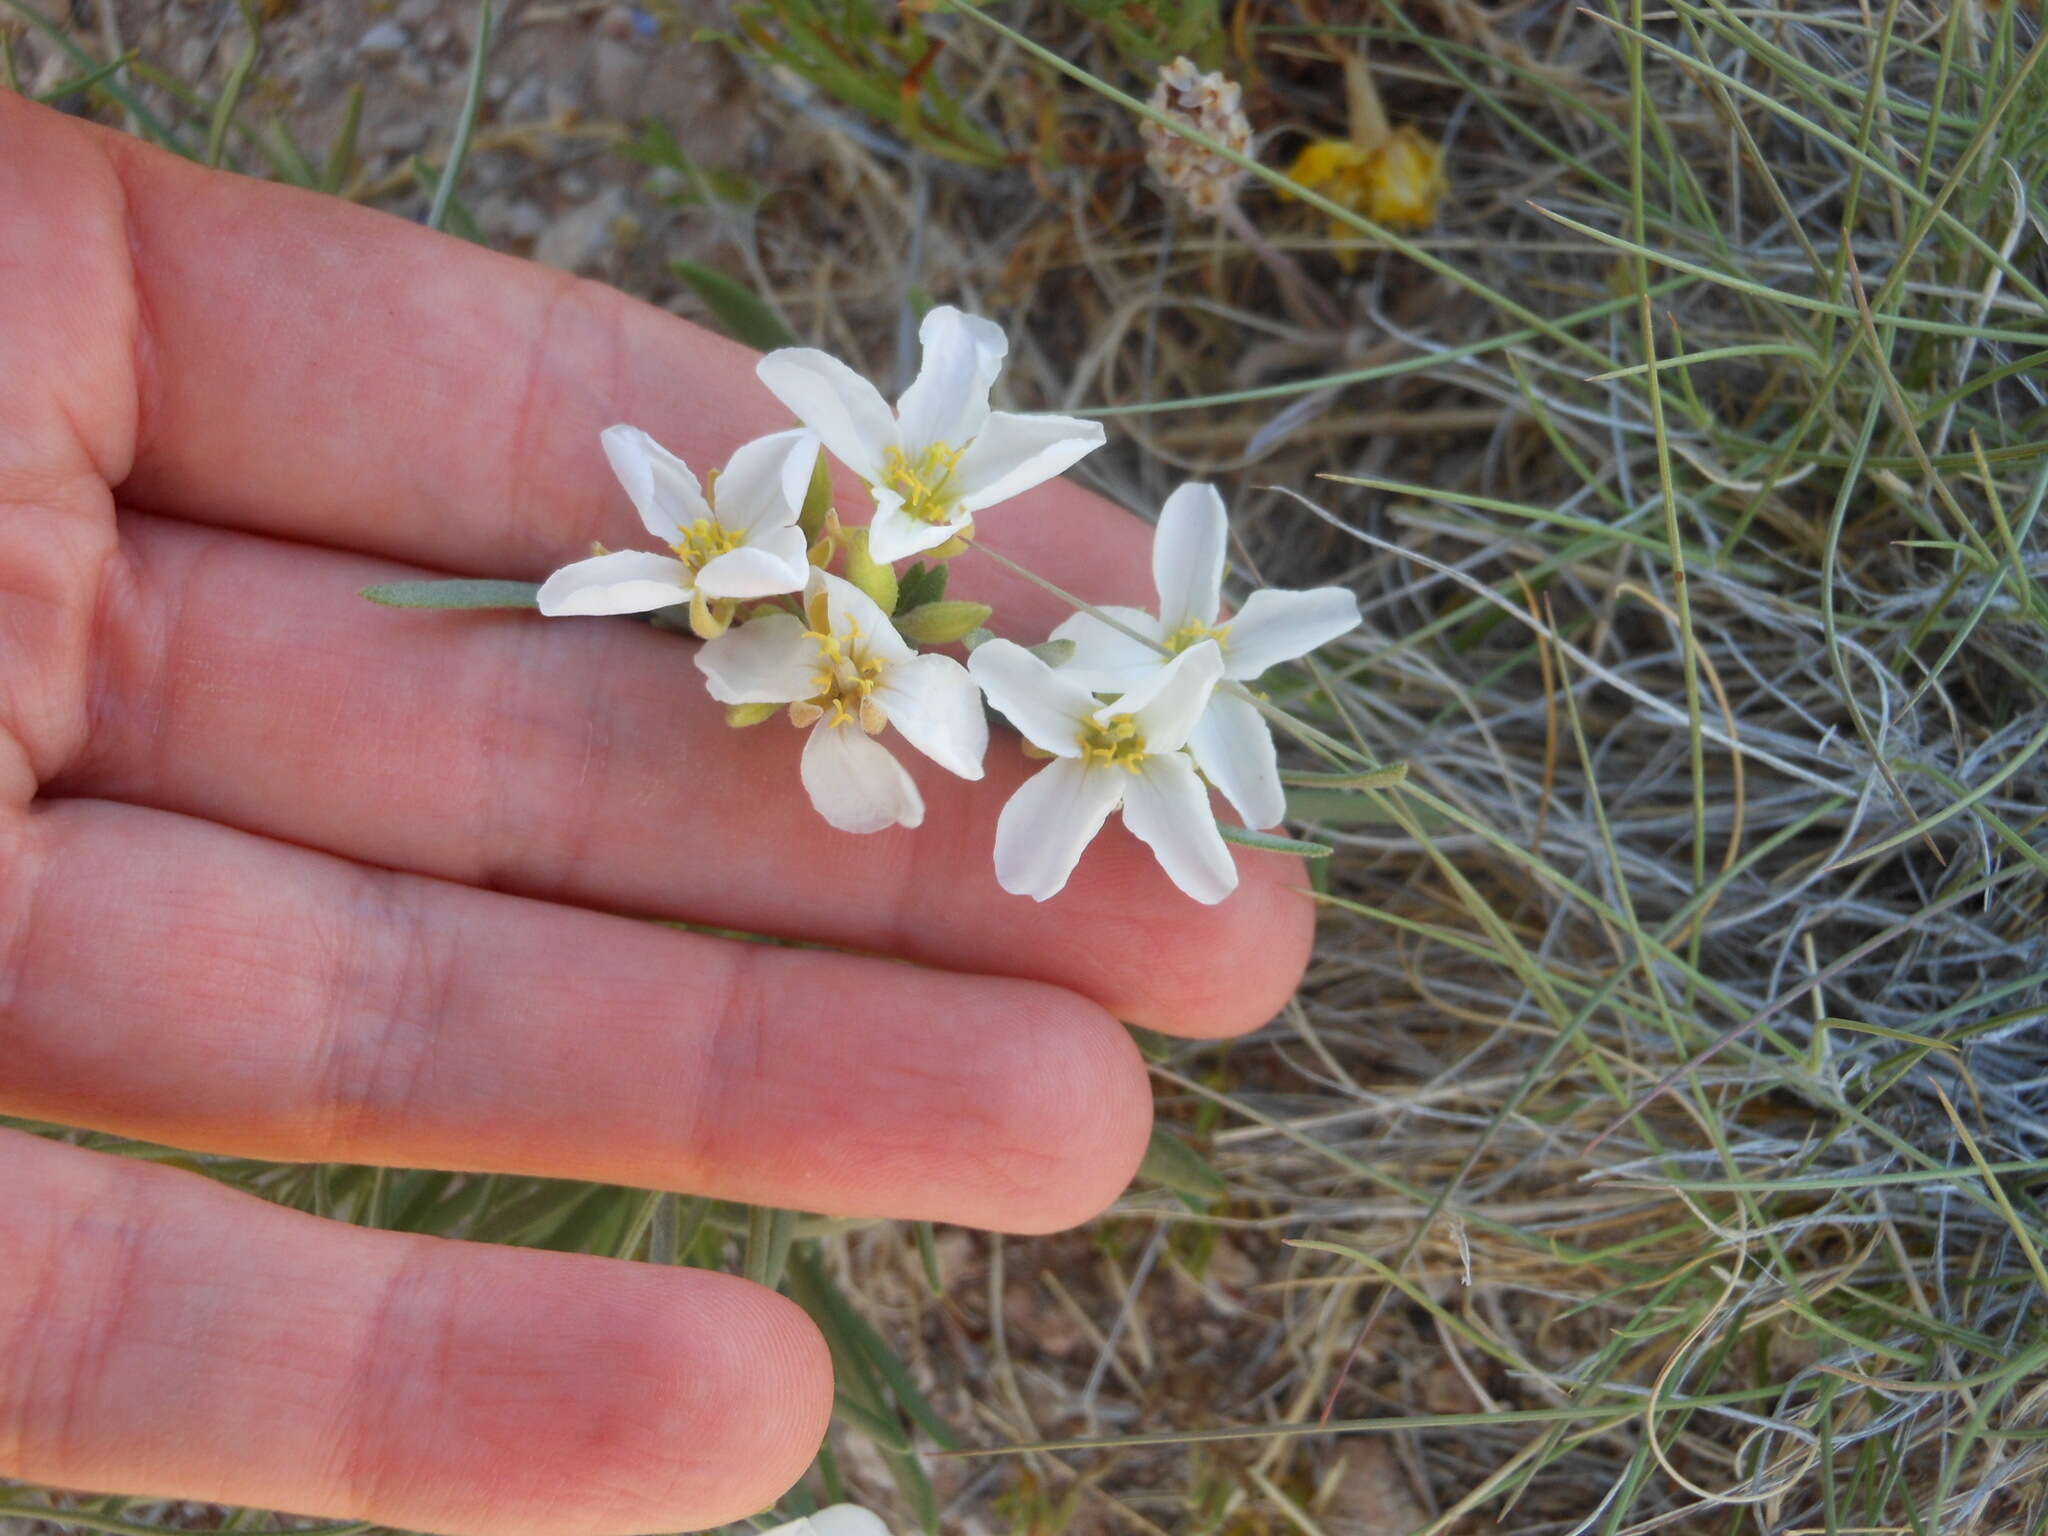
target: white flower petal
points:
(1168, 807)
(626, 581)
(933, 701)
(1275, 626)
(1106, 659)
(1047, 707)
(766, 660)
(855, 782)
(1169, 702)
(1233, 747)
(834, 1520)
(832, 400)
(948, 400)
(1051, 819)
(893, 534)
(1012, 453)
(660, 485)
(850, 609)
(764, 482)
(771, 563)
(1187, 556)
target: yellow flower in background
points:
(1397, 184)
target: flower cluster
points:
(1139, 712)
(1213, 107)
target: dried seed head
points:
(1214, 107)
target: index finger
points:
(323, 372)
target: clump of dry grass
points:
(1658, 1140)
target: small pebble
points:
(384, 41)
(577, 242)
(528, 101)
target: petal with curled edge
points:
(948, 400)
(1108, 660)
(775, 561)
(1187, 556)
(856, 782)
(1048, 708)
(767, 660)
(1050, 821)
(833, 401)
(1233, 746)
(933, 701)
(764, 483)
(660, 485)
(625, 581)
(1167, 807)
(1012, 453)
(1275, 626)
(893, 534)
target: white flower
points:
(739, 542)
(1232, 745)
(1126, 753)
(833, 1520)
(942, 455)
(846, 674)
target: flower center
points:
(704, 541)
(846, 679)
(1192, 633)
(925, 483)
(1117, 743)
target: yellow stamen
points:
(1117, 743)
(926, 485)
(1191, 633)
(846, 679)
(704, 541)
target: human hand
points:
(287, 876)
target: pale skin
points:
(286, 875)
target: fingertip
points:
(1071, 1114)
(569, 1396)
(736, 1450)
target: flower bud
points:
(877, 580)
(942, 623)
(749, 714)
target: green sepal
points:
(942, 623)
(977, 637)
(1054, 653)
(1273, 842)
(1173, 1164)
(742, 715)
(455, 594)
(817, 499)
(921, 584)
(870, 575)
